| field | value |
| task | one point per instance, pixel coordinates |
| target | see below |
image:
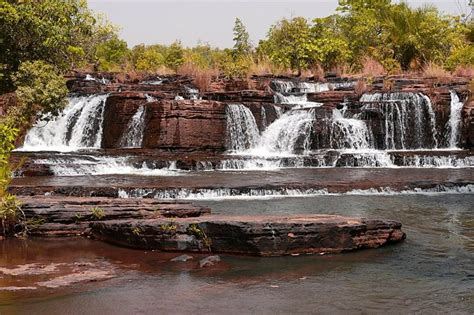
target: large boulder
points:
(252, 235)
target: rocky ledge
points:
(251, 235)
(66, 216)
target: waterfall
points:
(408, 118)
(263, 113)
(133, 136)
(290, 133)
(454, 123)
(78, 126)
(192, 93)
(242, 130)
(289, 92)
(349, 133)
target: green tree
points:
(40, 90)
(290, 44)
(149, 59)
(61, 33)
(174, 56)
(242, 46)
(111, 54)
(331, 48)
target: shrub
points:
(41, 91)
(432, 70)
(360, 87)
(97, 213)
(463, 56)
(371, 67)
(12, 218)
(464, 71)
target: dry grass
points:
(360, 87)
(371, 67)
(464, 72)
(318, 73)
(343, 71)
(130, 76)
(434, 71)
(202, 78)
(260, 68)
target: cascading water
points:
(404, 116)
(454, 123)
(79, 126)
(242, 130)
(289, 92)
(133, 136)
(290, 133)
(349, 133)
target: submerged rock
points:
(253, 235)
(209, 261)
(182, 258)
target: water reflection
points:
(432, 271)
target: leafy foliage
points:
(61, 33)
(12, 218)
(242, 46)
(40, 90)
(289, 44)
(174, 56)
(111, 55)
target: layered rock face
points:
(200, 125)
(252, 235)
(400, 113)
(168, 124)
(68, 216)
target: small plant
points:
(12, 217)
(195, 230)
(97, 213)
(78, 217)
(137, 231)
(170, 227)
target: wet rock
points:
(83, 276)
(63, 216)
(182, 258)
(253, 235)
(209, 261)
(30, 270)
(16, 289)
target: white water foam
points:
(454, 123)
(105, 165)
(78, 126)
(234, 193)
(133, 136)
(242, 130)
(407, 116)
(291, 132)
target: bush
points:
(463, 56)
(12, 218)
(40, 90)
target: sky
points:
(211, 21)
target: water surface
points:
(431, 272)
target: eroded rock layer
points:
(252, 235)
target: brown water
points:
(432, 272)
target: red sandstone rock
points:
(62, 216)
(189, 125)
(252, 235)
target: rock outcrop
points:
(252, 235)
(64, 216)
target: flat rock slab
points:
(252, 235)
(62, 216)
